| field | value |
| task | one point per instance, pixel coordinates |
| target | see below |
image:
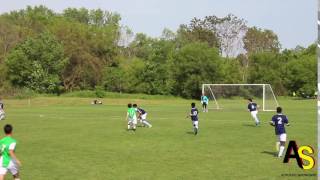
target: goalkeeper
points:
(204, 102)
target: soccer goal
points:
(233, 95)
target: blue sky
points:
(294, 21)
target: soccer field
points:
(67, 138)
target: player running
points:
(278, 121)
(8, 159)
(142, 115)
(253, 109)
(204, 102)
(194, 118)
(2, 113)
(131, 117)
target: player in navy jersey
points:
(142, 116)
(278, 121)
(253, 109)
(2, 113)
(194, 118)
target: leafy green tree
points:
(37, 64)
(193, 65)
(154, 76)
(81, 15)
(301, 71)
(267, 68)
(34, 20)
(89, 48)
(141, 45)
(231, 71)
(257, 40)
(197, 32)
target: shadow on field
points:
(190, 132)
(249, 125)
(270, 153)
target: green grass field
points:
(67, 138)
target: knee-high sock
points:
(146, 123)
(281, 151)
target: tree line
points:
(82, 49)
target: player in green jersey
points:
(8, 159)
(131, 117)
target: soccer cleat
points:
(195, 131)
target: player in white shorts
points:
(278, 121)
(131, 117)
(8, 160)
(142, 115)
(253, 109)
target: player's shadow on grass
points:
(270, 153)
(190, 132)
(248, 125)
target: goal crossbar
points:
(212, 93)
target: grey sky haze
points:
(294, 21)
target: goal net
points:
(231, 96)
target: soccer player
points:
(8, 159)
(253, 109)
(278, 121)
(204, 102)
(142, 115)
(194, 118)
(2, 113)
(131, 117)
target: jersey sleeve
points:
(273, 120)
(12, 146)
(285, 120)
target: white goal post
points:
(261, 92)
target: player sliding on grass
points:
(194, 118)
(253, 109)
(8, 160)
(278, 121)
(131, 117)
(142, 116)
